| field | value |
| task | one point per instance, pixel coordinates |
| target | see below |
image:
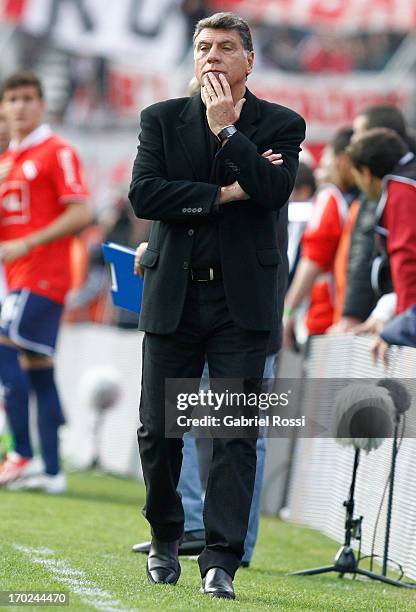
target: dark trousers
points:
(205, 330)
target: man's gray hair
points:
(226, 21)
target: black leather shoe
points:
(192, 543)
(162, 563)
(217, 583)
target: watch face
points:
(227, 132)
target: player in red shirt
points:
(313, 278)
(42, 204)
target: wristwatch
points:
(226, 133)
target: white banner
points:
(148, 32)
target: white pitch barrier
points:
(321, 469)
(98, 373)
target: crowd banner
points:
(326, 102)
(354, 14)
(151, 33)
(154, 33)
(141, 16)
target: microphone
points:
(398, 393)
(363, 416)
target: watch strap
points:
(226, 133)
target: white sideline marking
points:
(76, 580)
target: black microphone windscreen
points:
(398, 393)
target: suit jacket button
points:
(194, 210)
(185, 265)
(184, 210)
(191, 232)
(199, 209)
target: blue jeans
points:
(190, 485)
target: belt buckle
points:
(203, 280)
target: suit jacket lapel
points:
(192, 135)
(250, 115)
(192, 132)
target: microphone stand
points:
(345, 561)
(394, 452)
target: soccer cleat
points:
(53, 485)
(13, 467)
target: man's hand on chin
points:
(217, 97)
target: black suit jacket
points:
(170, 185)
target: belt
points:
(206, 275)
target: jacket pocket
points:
(269, 257)
(149, 258)
(154, 236)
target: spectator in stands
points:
(386, 172)
(281, 49)
(360, 297)
(321, 51)
(379, 48)
(326, 52)
(42, 204)
(313, 276)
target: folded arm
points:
(268, 185)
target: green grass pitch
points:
(80, 543)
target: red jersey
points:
(319, 244)
(45, 175)
(397, 209)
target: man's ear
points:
(365, 171)
(250, 62)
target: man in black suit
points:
(209, 173)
